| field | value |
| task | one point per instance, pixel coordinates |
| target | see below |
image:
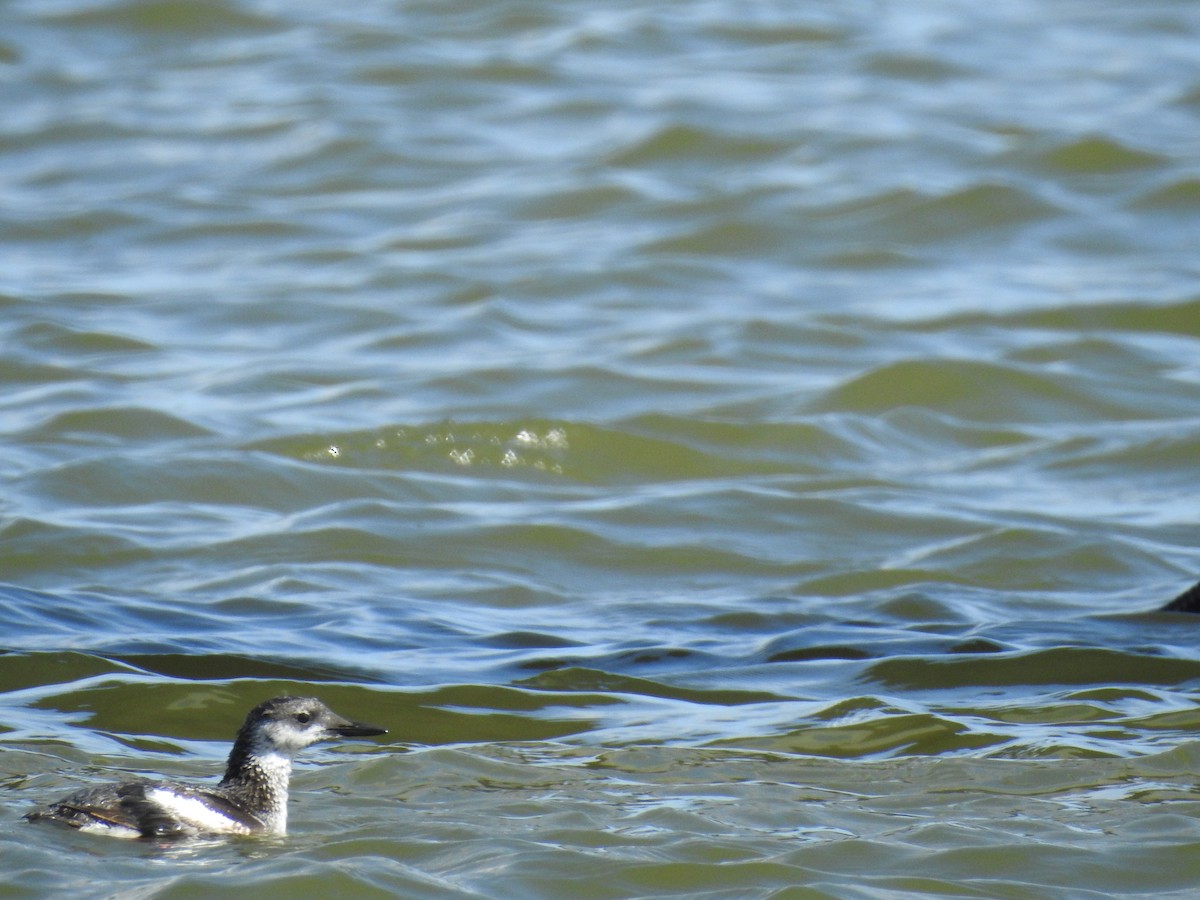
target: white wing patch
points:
(119, 831)
(195, 813)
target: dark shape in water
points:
(1188, 601)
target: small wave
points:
(981, 392)
(166, 17)
(1098, 155)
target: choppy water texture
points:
(737, 449)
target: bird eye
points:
(303, 718)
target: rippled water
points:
(736, 449)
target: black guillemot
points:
(251, 798)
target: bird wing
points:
(227, 806)
(114, 805)
(167, 810)
(137, 806)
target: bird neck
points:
(258, 779)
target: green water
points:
(736, 450)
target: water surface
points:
(736, 450)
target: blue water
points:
(736, 450)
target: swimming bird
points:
(250, 799)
